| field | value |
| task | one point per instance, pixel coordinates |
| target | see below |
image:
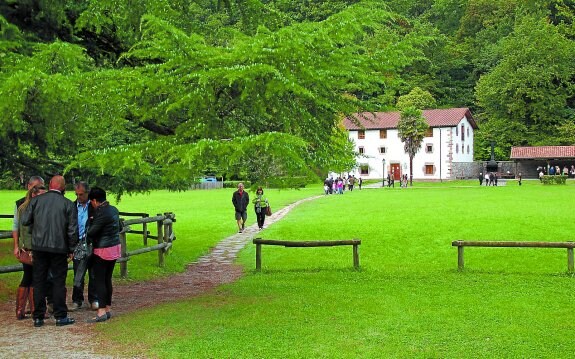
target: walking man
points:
(54, 222)
(241, 199)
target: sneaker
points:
(240, 231)
(75, 306)
(95, 305)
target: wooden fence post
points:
(356, 256)
(124, 250)
(570, 263)
(160, 241)
(258, 257)
(166, 232)
(460, 260)
(145, 229)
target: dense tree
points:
(152, 93)
(417, 98)
(274, 99)
(530, 93)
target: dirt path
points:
(19, 339)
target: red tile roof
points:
(448, 117)
(543, 152)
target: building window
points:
(462, 132)
(429, 132)
(467, 131)
(361, 150)
(382, 133)
(429, 148)
(457, 148)
(382, 150)
(456, 131)
(467, 149)
(364, 169)
(361, 134)
(429, 169)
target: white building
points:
(449, 140)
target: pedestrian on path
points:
(240, 200)
(260, 206)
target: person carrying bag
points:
(83, 254)
(261, 207)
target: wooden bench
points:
(461, 244)
(352, 242)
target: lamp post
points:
(383, 173)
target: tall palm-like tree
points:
(411, 130)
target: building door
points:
(396, 170)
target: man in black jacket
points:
(241, 199)
(54, 222)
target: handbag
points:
(268, 210)
(83, 250)
(25, 257)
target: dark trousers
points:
(57, 264)
(78, 292)
(28, 275)
(103, 270)
(261, 216)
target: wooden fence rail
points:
(5, 233)
(165, 237)
(351, 242)
(461, 244)
(144, 232)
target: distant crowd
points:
(555, 171)
(339, 184)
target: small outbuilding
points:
(529, 159)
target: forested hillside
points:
(136, 95)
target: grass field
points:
(203, 218)
(408, 300)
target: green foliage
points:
(532, 83)
(79, 76)
(417, 98)
(549, 180)
(162, 163)
(411, 130)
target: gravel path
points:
(19, 339)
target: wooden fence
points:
(5, 233)
(165, 237)
(351, 242)
(461, 244)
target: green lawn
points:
(203, 218)
(408, 300)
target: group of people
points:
(556, 171)
(241, 200)
(490, 178)
(46, 231)
(338, 185)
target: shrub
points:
(554, 179)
